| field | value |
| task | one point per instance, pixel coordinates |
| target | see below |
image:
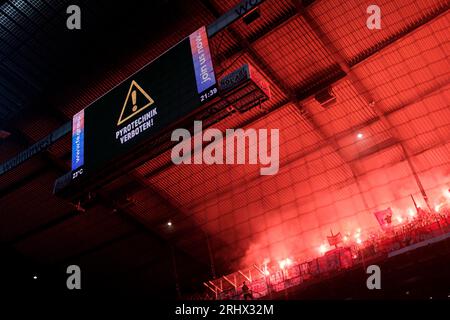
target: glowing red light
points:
(285, 263)
(323, 249)
(446, 193)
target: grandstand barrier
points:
(263, 280)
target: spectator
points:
(246, 292)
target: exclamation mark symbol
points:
(133, 98)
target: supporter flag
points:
(384, 218)
(334, 239)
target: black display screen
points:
(167, 89)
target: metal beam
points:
(247, 47)
(36, 148)
(237, 12)
(46, 155)
(50, 224)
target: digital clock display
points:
(208, 95)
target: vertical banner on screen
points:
(201, 56)
(78, 140)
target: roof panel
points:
(19, 17)
(272, 13)
(414, 66)
(30, 206)
(345, 21)
(374, 136)
(295, 53)
(37, 126)
(74, 235)
(192, 183)
(425, 123)
(350, 111)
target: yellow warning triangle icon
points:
(136, 101)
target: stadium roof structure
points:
(384, 138)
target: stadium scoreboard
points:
(164, 91)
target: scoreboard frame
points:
(95, 152)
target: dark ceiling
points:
(41, 58)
